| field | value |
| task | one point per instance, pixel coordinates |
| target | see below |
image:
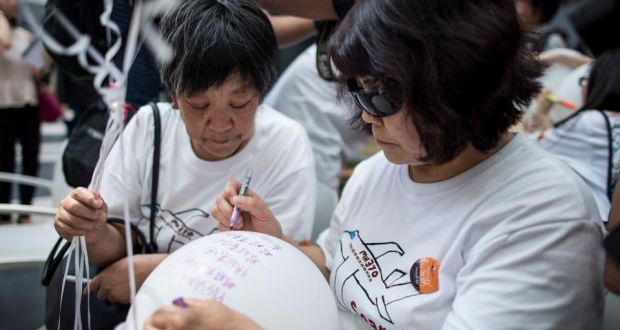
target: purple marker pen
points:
(180, 302)
(244, 190)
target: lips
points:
(382, 142)
(222, 141)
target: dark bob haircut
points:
(460, 67)
(603, 90)
(213, 39)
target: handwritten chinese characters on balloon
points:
(214, 271)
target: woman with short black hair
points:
(224, 62)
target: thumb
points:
(93, 285)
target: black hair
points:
(460, 67)
(213, 39)
(603, 89)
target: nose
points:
(220, 120)
(370, 119)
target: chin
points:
(400, 159)
(395, 159)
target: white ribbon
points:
(114, 96)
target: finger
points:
(223, 228)
(222, 222)
(77, 208)
(148, 325)
(232, 189)
(225, 209)
(93, 285)
(87, 197)
(251, 204)
(167, 317)
(66, 231)
(75, 221)
(102, 294)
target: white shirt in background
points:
(583, 144)
(301, 94)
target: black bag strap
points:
(610, 147)
(152, 248)
(53, 261)
(610, 159)
(55, 257)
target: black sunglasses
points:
(372, 102)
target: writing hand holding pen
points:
(254, 214)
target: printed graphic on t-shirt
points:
(366, 267)
(177, 225)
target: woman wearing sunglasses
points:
(457, 223)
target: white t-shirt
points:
(512, 243)
(301, 94)
(583, 144)
(279, 153)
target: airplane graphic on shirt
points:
(362, 268)
(177, 222)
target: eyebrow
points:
(243, 88)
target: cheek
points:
(245, 123)
(193, 124)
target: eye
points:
(240, 105)
(201, 106)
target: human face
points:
(396, 134)
(374, 102)
(220, 120)
(9, 7)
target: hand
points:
(199, 315)
(255, 215)
(112, 284)
(568, 59)
(82, 213)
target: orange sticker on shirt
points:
(425, 275)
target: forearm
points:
(108, 247)
(315, 254)
(290, 30)
(574, 61)
(316, 9)
(5, 33)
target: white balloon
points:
(265, 278)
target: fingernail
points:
(236, 199)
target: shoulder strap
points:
(610, 158)
(155, 177)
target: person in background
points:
(19, 117)
(533, 14)
(305, 95)
(453, 225)
(587, 141)
(214, 130)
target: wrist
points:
(98, 235)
